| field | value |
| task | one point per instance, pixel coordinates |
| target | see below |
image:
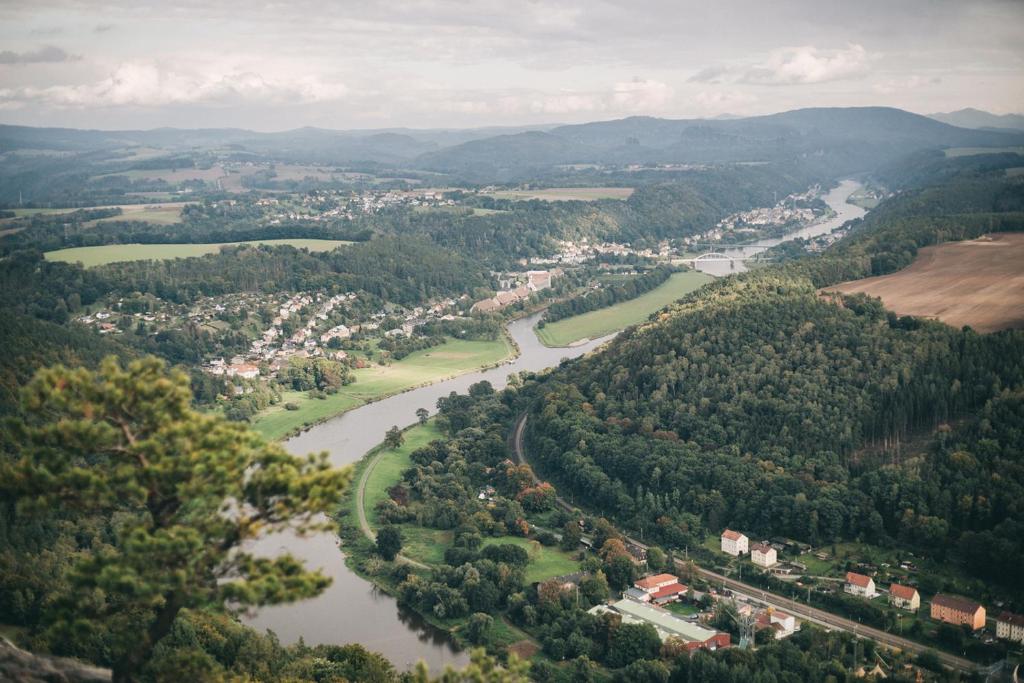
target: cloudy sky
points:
(279, 64)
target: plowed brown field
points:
(978, 283)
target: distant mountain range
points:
(975, 118)
(832, 141)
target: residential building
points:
(781, 623)
(763, 555)
(734, 543)
(904, 597)
(1010, 626)
(243, 370)
(666, 624)
(858, 584)
(954, 609)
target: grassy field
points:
(112, 253)
(422, 367)
(389, 468)
(545, 562)
(976, 282)
(973, 151)
(164, 213)
(564, 194)
(606, 320)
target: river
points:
(353, 610)
(835, 198)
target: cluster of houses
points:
(328, 205)
(516, 287)
(951, 609)
(760, 217)
(575, 253)
(944, 607)
(311, 340)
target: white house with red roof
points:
(904, 597)
(734, 543)
(858, 584)
(763, 555)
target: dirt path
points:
(364, 524)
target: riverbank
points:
(375, 473)
(618, 316)
(422, 368)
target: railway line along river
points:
(352, 609)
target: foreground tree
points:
(179, 492)
(394, 438)
(389, 542)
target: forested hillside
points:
(758, 403)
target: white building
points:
(1010, 626)
(734, 543)
(763, 555)
(858, 584)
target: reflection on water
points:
(836, 198)
(353, 610)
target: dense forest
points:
(758, 403)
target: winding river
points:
(354, 610)
(835, 198)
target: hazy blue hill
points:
(829, 140)
(506, 156)
(976, 118)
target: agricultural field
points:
(623, 314)
(91, 257)
(454, 357)
(158, 214)
(170, 175)
(977, 282)
(974, 151)
(565, 194)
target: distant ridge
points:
(830, 141)
(976, 118)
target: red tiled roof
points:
(649, 582)
(857, 579)
(762, 548)
(732, 535)
(902, 592)
(1011, 618)
(674, 589)
(955, 602)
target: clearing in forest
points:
(976, 282)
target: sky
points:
(284, 64)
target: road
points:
(364, 524)
(759, 595)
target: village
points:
(943, 608)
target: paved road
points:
(806, 612)
(364, 523)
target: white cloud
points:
(723, 101)
(793, 66)
(641, 96)
(896, 85)
(146, 84)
